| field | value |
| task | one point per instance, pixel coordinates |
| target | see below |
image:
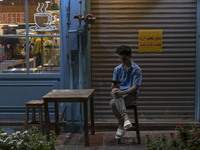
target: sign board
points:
(150, 40)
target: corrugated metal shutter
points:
(168, 88)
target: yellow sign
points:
(150, 40)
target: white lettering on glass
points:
(43, 19)
(12, 17)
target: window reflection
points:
(12, 53)
(44, 16)
(44, 55)
(45, 50)
(44, 20)
(43, 25)
(12, 17)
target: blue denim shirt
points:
(127, 78)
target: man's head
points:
(124, 53)
(123, 50)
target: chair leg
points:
(136, 124)
(119, 141)
(26, 118)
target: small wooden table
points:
(73, 96)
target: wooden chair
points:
(34, 104)
(135, 126)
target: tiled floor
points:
(105, 141)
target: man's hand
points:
(118, 93)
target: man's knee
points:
(112, 104)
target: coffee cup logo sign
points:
(43, 19)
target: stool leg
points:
(57, 118)
(136, 124)
(33, 115)
(41, 120)
(26, 117)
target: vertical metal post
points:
(80, 64)
(63, 66)
(68, 44)
(71, 86)
(88, 9)
(197, 82)
(27, 37)
(80, 50)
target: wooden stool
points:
(135, 126)
(34, 104)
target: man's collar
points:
(132, 65)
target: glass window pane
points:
(12, 55)
(44, 16)
(46, 55)
(44, 47)
(44, 20)
(12, 17)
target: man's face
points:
(125, 59)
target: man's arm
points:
(127, 91)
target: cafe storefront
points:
(35, 54)
(47, 45)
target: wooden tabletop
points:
(69, 94)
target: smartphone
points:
(114, 82)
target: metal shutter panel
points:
(168, 87)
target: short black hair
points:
(123, 50)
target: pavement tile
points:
(106, 140)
